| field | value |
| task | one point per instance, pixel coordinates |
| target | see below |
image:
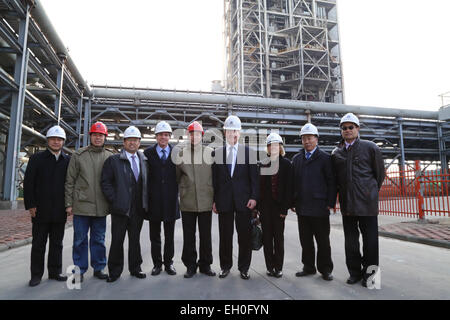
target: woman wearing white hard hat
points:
(45, 177)
(314, 195)
(360, 174)
(275, 195)
(163, 199)
(236, 191)
(124, 184)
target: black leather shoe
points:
(208, 272)
(224, 273)
(111, 279)
(190, 273)
(245, 275)
(100, 275)
(58, 277)
(81, 279)
(156, 271)
(278, 274)
(327, 276)
(139, 275)
(353, 279)
(304, 274)
(270, 273)
(171, 270)
(34, 281)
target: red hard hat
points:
(99, 127)
(195, 126)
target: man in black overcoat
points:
(163, 199)
(314, 196)
(45, 177)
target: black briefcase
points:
(257, 236)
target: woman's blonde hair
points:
(282, 152)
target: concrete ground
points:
(408, 271)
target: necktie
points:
(134, 167)
(230, 160)
(164, 157)
(308, 155)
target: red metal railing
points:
(415, 192)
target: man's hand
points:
(214, 208)
(32, 212)
(293, 209)
(251, 204)
(69, 211)
(283, 216)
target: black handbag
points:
(257, 236)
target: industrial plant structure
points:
(283, 70)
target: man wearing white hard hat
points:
(314, 195)
(124, 184)
(236, 192)
(163, 199)
(44, 198)
(360, 173)
(275, 195)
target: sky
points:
(395, 54)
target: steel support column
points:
(402, 145)
(78, 127)
(87, 119)
(442, 149)
(17, 105)
(60, 83)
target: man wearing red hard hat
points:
(194, 177)
(85, 200)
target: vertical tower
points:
(286, 49)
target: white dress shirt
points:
(233, 149)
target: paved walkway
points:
(15, 229)
(409, 271)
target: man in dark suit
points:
(44, 198)
(314, 196)
(236, 191)
(124, 184)
(163, 199)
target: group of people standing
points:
(196, 180)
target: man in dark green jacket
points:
(85, 200)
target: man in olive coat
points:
(44, 198)
(359, 167)
(194, 176)
(85, 200)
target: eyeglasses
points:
(347, 128)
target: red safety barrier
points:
(414, 192)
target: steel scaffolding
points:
(41, 86)
(285, 49)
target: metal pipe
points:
(315, 107)
(40, 16)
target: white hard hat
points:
(132, 132)
(163, 127)
(309, 128)
(56, 131)
(274, 138)
(350, 117)
(232, 123)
